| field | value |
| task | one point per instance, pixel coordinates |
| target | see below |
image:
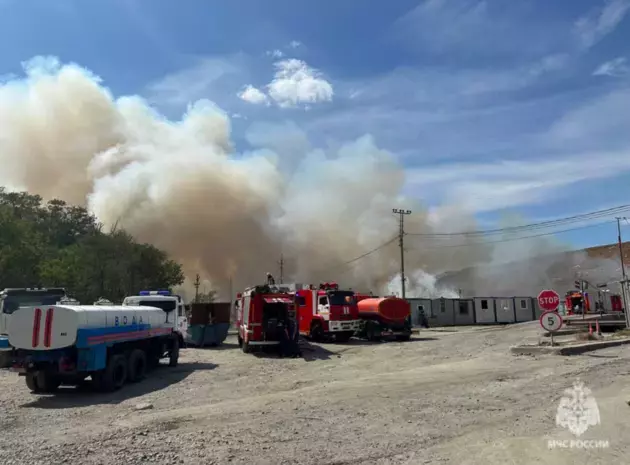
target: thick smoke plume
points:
(181, 186)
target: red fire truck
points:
(327, 312)
(266, 317)
(577, 302)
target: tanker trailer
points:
(387, 317)
(112, 344)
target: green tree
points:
(57, 244)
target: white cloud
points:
(478, 27)
(615, 68)
(275, 53)
(582, 148)
(295, 82)
(600, 123)
(479, 82)
(595, 26)
(295, 44)
(482, 187)
(253, 95)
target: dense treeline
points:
(56, 244)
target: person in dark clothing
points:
(289, 340)
(270, 280)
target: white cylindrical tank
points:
(58, 326)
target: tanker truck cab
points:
(168, 303)
(327, 312)
(111, 344)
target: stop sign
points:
(548, 300)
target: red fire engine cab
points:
(266, 317)
(327, 312)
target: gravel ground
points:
(444, 397)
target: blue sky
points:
(520, 106)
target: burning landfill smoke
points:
(180, 186)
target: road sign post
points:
(551, 321)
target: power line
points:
(533, 226)
(355, 259)
(493, 231)
(551, 233)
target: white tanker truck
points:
(65, 344)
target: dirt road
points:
(447, 397)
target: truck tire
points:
(173, 356)
(114, 376)
(317, 331)
(41, 382)
(245, 347)
(137, 366)
(31, 383)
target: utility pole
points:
(623, 267)
(197, 283)
(401, 234)
(281, 263)
(624, 279)
(583, 299)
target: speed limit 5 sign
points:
(551, 321)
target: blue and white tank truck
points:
(112, 344)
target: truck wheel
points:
(245, 347)
(173, 357)
(317, 331)
(31, 383)
(137, 365)
(42, 382)
(113, 377)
